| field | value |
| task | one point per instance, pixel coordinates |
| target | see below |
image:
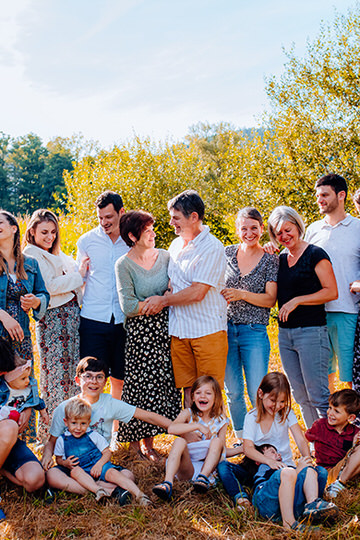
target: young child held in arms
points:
(19, 391)
(87, 455)
(336, 440)
(290, 494)
(197, 460)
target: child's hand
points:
(274, 464)
(71, 462)
(96, 470)
(356, 438)
(205, 431)
(45, 416)
(304, 461)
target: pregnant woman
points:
(57, 334)
(305, 282)
(251, 290)
(149, 380)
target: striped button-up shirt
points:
(202, 260)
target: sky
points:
(113, 69)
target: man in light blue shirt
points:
(101, 326)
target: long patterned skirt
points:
(149, 379)
(57, 336)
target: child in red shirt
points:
(336, 440)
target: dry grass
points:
(189, 516)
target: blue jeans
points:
(249, 350)
(234, 476)
(266, 496)
(305, 354)
(341, 328)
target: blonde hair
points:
(77, 408)
(39, 216)
(218, 407)
(279, 216)
(274, 383)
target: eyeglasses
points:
(86, 377)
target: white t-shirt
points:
(103, 413)
(17, 397)
(99, 441)
(278, 434)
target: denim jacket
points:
(33, 400)
(34, 284)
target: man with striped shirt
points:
(197, 316)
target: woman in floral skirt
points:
(149, 380)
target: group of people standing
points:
(161, 319)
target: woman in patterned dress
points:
(251, 289)
(149, 380)
(57, 334)
(21, 289)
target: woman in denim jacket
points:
(21, 289)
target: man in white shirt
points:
(101, 325)
(197, 317)
(339, 234)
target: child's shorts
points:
(105, 468)
(266, 496)
(18, 456)
(333, 473)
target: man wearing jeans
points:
(197, 318)
(339, 235)
(101, 325)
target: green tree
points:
(26, 161)
(53, 190)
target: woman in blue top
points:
(250, 279)
(21, 289)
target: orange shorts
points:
(333, 473)
(194, 357)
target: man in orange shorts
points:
(197, 317)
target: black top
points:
(299, 280)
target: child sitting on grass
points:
(336, 440)
(197, 460)
(87, 454)
(269, 423)
(91, 375)
(290, 494)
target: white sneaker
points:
(334, 489)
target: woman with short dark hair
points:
(149, 380)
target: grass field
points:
(189, 516)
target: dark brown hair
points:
(218, 406)
(39, 216)
(134, 222)
(335, 181)
(19, 257)
(109, 197)
(90, 363)
(274, 383)
(347, 398)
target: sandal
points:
(320, 511)
(201, 484)
(163, 490)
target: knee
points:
(128, 474)
(35, 480)
(288, 475)
(179, 444)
